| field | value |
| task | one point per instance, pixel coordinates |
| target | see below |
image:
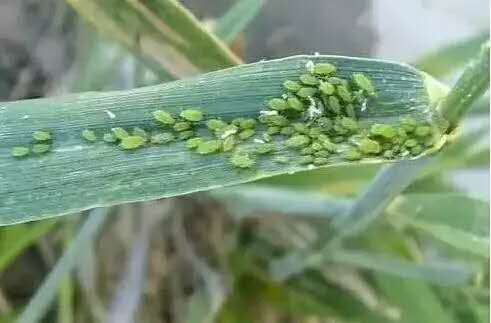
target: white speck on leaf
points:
(110, 114)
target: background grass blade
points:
(15, 240)
(441, 274)
(78, 175)
(39, 304)
(237, 18)
(444, 60)
(163, 32)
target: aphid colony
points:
(315, 119)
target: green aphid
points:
(336, 81)
(340, 130)
(325, 123)
(119, 133)
(193, 143)
(307, 92)
(309, 79)
(292, 86)
(389, 154)
(247, 124)
(327, 88)
(89, 135)
(428, 142)
(333, 104)
(322, 153)
(344, 93)
(364, 83)
(227, 131)
(410, 143)
(301, 128)
(109, 137)
(228, 143)
(368, 146)
(279, 121)
(163, 117)
(19, 151)
(298, 141)
(396, 148)
(41, 148)
(215, 124)
(352, 154)
(209, 147)
(383, 130)
(277, 104)
(242, 160)
(246, 134)
(137, 131)
(184, 135)
(192, 115)
(319, 161)
(273, 130)
(401, 133)
(263, 149)
(422, 131)
(409, 124)
(324, 69)
(315, 132)
(41, 135)
(350, 111)
(307, 151)
(182, 126)
(237, 121)
(349, 124)
(132, 142)
(317, 145)
(287, 131)
(295, 104)
(329, 146)
(338, 139)
(305, 160)
(281, 159)
(416, 150)
(162, 138)
(263, 118)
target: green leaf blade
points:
(77, 175)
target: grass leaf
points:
(78, 174)
(163, 33)
(448, 58)
(237, 18)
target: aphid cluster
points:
(315, 119)
(42, 141)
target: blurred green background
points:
(229, 255)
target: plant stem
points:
(469, 87)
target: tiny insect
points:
(242, 160)
(41, 135)
(89, 135)
(324, 69)
(298, 141)
(209, 147)
(20, 151)
(132, 142)
(120, 133)
(192, 115)
(277, 104)
(193, 143)
(163, 117)
(364, 83)
(41, 148)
